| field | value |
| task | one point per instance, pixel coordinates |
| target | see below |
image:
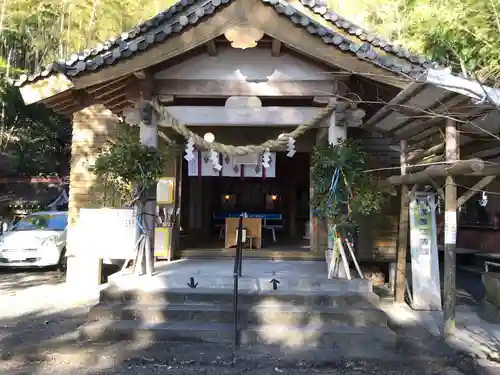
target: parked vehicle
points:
(37, 240)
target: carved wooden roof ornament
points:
(243, 36)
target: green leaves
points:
(36, 139)
(356, 192)
(130, 166)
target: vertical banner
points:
(424, 252)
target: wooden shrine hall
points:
(249, 88)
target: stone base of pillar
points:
(84, 273)
(340, 272)
(392, 276)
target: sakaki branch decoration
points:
(128, 167)
(342, 190)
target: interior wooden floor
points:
(282, 249)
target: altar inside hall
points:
(273, 201)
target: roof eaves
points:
(152, 31)
(187, 13)
(363, 51)
(320, 8)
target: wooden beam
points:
(212, 48)
(450, 236)
(165, 99)
(473, 190)
(402, 231)
(140, 74)
(145, 85)
(260, 116)
(422, 163)
(489, 170)
(45, 88)
(224, 88)
(324, 100)
(457, 168)
(419, 154)
(275, 48)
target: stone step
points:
(268, 313)
(338, 299)
(344, 341)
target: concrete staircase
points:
(342, 318)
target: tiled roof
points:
(187, 13)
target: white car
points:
(37, 240)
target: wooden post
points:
(336, 134)
(176, 228)
(450, 234)
(149, 137)
(292, 208)
(403, 230)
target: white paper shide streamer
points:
(189, 150)
(214, 157)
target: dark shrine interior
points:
(286, 196)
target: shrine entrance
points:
(275, 199)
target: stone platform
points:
(293, 276)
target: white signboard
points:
(450, 230)
(424, 253)
(106, 232)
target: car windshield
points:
(56, 222)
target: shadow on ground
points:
(13, 280)
(41, 343)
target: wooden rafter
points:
(440, 109)
(212, 48)
(275, 48)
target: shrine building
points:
(233, 73)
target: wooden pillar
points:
(450, 224)
(149, 137)
(402, 231)
(176, 231)
(335, 134)
(318, 236)
(292, 208)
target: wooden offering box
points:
(253, 227)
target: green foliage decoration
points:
(128, 167)
(357, 192)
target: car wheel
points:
(62, 266)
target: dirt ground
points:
(38, 321)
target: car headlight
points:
(49, 241)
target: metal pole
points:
(236, 275)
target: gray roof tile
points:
(187, 13)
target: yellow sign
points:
(165, 190)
